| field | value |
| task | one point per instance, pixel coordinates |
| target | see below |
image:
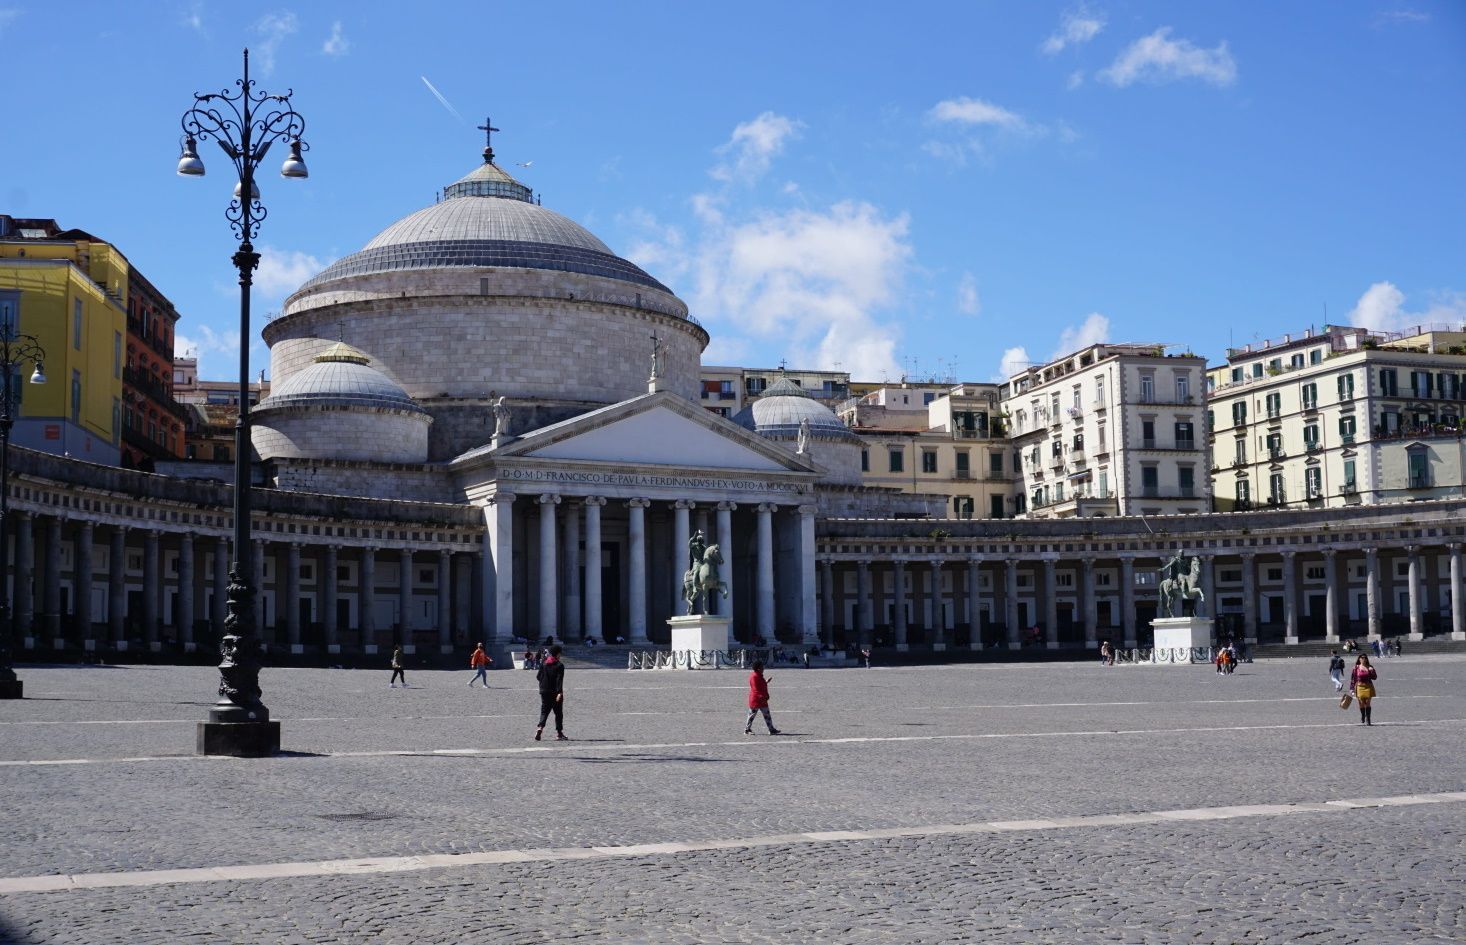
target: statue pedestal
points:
(1174, 633)
(700, 632)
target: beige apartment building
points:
(1341, 416)
(1112, 429)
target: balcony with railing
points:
(1277, 452)
(1185, 443)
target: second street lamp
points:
(244, 123)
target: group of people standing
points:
(1361, 684)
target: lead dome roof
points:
(783, 405)
(487, 219)
(340, 377)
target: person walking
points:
(1336, 670)
(551, 676)
(397, 672)
(758, 699)
(479, 662)
(1362, 685)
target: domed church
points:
(485, 350)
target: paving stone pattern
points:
(661, 757)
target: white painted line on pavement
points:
(16, 885)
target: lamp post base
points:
(239, 739)
(12, 689)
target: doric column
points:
(445, 600)
(1127, 602)
(82, 586)
(217, 610)
(366, 585)
(1010, 604)
(258, 566)
(24, 592)
(570, 624)
(117, 585)
(185, 587)
(1051, 605)
(827, 601)
(1091, 605)
(765, 608)
(404, 596)
(809, 630)
(329, 594)
(1371, 592)
(681, 535)
(1331, 596)
(974, 604)
(152, 586)
(1249, 598)
(1417, 603)
(1458, 606)
(865, 609)
(939, 616)
(1290, 597)
(636, 591)
(898, 578)
(292, 594)
(549, 570)
(725, 544)
(499, 564)
(51, 587)
(1209, 589)
(593, 626)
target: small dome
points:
(340, 377)
(777, 414)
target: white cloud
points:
(1076, 28)
(1158, 58)
(282, 271)
(975, 111)
(1014, 360)
(337, 44)
(1094, 329)
(272, 28)
(968, 301)
(7, 16)
(1076, 79)
(193, 18)
(1399, 17)
(753, 147)
(218, 351)
(1382, 308)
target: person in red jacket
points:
(758, 698)
(479, 662)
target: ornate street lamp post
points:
(14, 351)
(244, 123)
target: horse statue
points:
(1185, 586)
(700, 582)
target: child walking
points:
(758, 699)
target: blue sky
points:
(929, 188)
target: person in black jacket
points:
(551, 676)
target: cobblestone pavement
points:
(660, 757)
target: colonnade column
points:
(809, 626)
(1209, 590)
(572, 624)
(1091, 606)
(974, 605)
(1290, 597)
(258, 564)
(445, 600)
(1458, 606)
(499, 565)
(1010, 605)
(593, 567)
(1331, 596)
(117, 585)
(1127, 602)
(51, 580)
(404, 596)
(827, 601)
(24, 592)
(1417, 604)
(725, 543)
(82, 588)
(1249, 599)
(185, 585)
(681, 535)
(329, 594)
(939, 615)
(549, 592)
(366, 586)
(636, 591)
(292, 595)
(1051, 605)
(765, 587)
(1371, 592)
(152, 586)
(217, 610)
(865, 611)
(899, 579)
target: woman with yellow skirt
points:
(1362, 685)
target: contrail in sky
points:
(439, 96)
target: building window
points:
(995, 463)
(1346, 386)
(1147, 434)
(1100, 430)
(1419, 462)
(1185, 438)
(75, 396)
(1187, 480)
(1296, 360)
(964, 467)
(1099, 391)
(865, 460)
(1275, 446)
(1150, 481)
(1104, 484)
(76, 323)
(897, 460)
(1274, 406)
(1276, 495)
(1346, 430)
(1257, 370)
(1243, 491)
(929, 461)
(1310, 396)
(1389, 383)
(1313, 482)
(1239, 412)
(995, 506)
(1183, 389)
(116, 419)
(1147, 388)
(1241, 454)
(927, 397)
(1310, 437)
(1349, 485)
(1236, 375)
(1315, 356)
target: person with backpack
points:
(479, 662)
(551, 676)
(758, 699)
(1336, 670)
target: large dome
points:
(341, 377)
(784, 404)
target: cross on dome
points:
(488, 129)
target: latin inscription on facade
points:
(639, 479)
